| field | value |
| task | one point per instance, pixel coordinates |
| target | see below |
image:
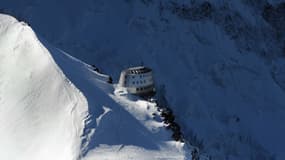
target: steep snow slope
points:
(222, 66)
(41, 113)
(118, 126)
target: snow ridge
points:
(42, 113)
(44, 116)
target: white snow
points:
(220, 88)
(41, 112)
(44, 116)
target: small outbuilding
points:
(137, 80)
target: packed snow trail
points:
(44, 116)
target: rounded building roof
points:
(137, 70)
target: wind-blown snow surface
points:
(41, 112)
(44, 116)
(223, 69)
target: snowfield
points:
(44, 116)
(41, 113)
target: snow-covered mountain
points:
(219, 64)
(44, 116)
(41, 113)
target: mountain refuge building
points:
(137, 80)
